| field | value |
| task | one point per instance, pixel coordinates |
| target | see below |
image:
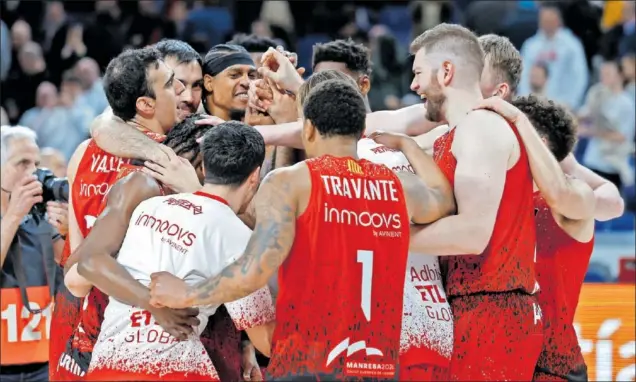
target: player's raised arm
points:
(93, 262)
(483, 148)
(609, 203)
(269, 245)
(567, 196)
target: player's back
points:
(339, 307)
(190, 236)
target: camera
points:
(53, 189)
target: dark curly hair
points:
(553, 122)
(183, 138)
(336, 108)
(126, 79)
(354, 56)
(253, 43)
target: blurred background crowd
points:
(53, 53)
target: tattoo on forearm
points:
(266, 250)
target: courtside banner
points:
(604, 323)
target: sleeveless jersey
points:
(96, 173)
(427, 325)
(193, 236)
(561, 265)
(339, 307)
(507, 263)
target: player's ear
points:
(208, 82)
(502, 90)
(145, 106)
(309, 130)
(364, 83)
(446, 73)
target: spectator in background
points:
(614, 42)
(19, 93)
(4, 119)
(20, 35)
(57, 120)
(53, 160)
(5, 51)
(104, 34)
(612, 120)
(538, 78)
(388, 70)
(54, 24)
(93, 94)
(562, 53)
(628, 64)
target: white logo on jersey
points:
(351, 349)
(90, 221)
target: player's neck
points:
(144, 124)
(229, 194)
(338, 147)
(218, 112)
(460, 102)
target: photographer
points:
(32, 238)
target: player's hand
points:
(26, 193)
(179, 323)
(209, 120)
(280, 70)
(283, 108)
(255, 118)
(393, 141)
(176, 173)
(249, 365)
(167, 290)
(57, 213)
(259, 95)
(501, 107)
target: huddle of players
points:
(334, 204)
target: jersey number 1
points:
(366, 259)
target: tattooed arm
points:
(275, 204)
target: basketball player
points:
(140, 89)
(491, 240)
(327, 200)
(564, 211)
(131, 345)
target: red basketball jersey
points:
(562, 263)
(339, 307)
(507, 263)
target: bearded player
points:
(338, 216)
(491, 240)
(564, 211)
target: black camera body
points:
(53, 189)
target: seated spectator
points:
(538, 78)
(53, 160)
(87, 71)
(4, 119)
(561, 51)
(610, 117)
(57, 120)
(5, 51)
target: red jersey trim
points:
(213, 197)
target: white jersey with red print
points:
(427, 325)
(193, 236)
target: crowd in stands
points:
(582, 54)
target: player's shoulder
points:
(294, 174)
(485, 126)
(136, 185)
